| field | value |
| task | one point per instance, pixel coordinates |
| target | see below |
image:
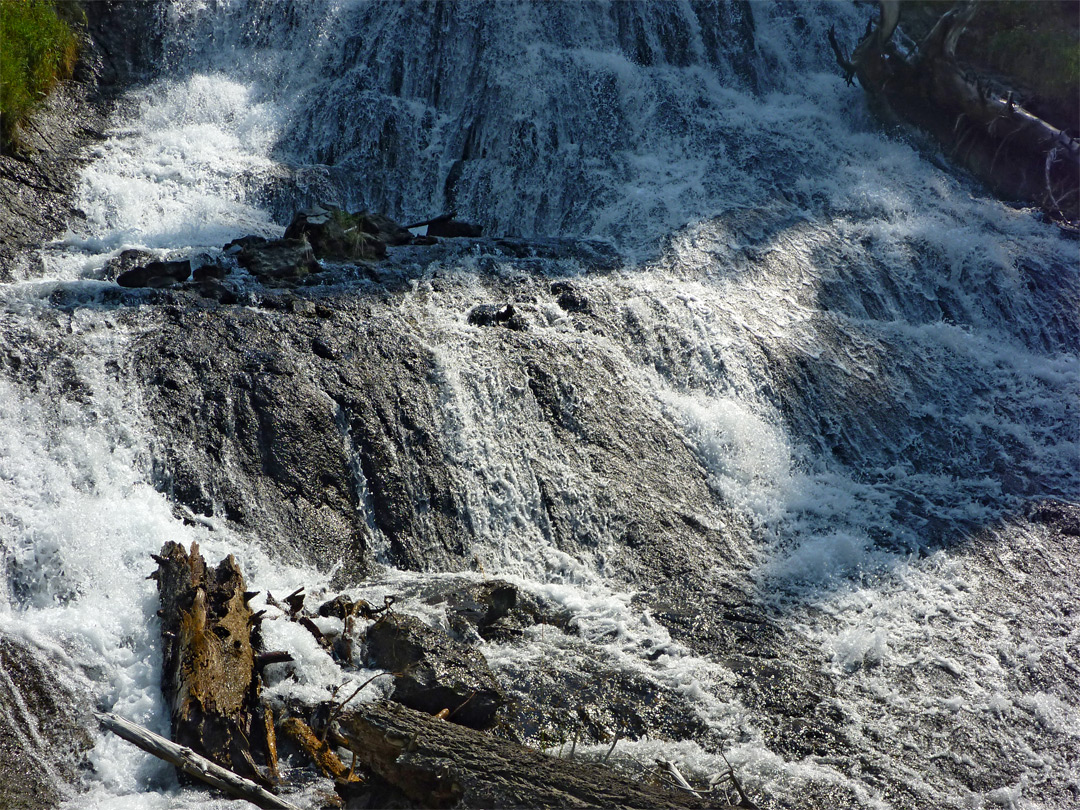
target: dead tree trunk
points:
(1017, 154)
(209, 677)
(439, 764)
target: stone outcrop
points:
(339, 236)
(119, 47)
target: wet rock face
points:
(494, 610)
(121, 48)
(433, 671)
(318, 420)
(43, 724)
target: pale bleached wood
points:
(192, 764)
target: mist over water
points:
(874, 364)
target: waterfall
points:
(786, 468)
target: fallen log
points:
(192, 764)
(441, 764)
(210, 676)
(1019, 155)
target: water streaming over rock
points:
(778, 433)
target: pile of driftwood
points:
(224, 734)
(1019, 155)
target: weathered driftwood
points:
(1016, 153)
(210, 675)
(439, 764)
(192, 764)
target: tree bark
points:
(212, 684)
(209, 676)
(440, 764)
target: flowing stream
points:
(867, 364)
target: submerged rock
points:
(436, 672)
(495, 610)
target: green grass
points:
(37, 49)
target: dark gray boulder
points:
(436, 672)
(209, 270)
(126, 261)
(570, 298)
(156, 274)
(280, 261)
(237, 245)
(447, 226)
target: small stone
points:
(496, 315)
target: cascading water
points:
(824, 386)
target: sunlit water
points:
(873, 361)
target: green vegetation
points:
(1031, 47)
(1036, 43)
(38, 48)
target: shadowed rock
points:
(156, 274)
(436, 672)
(283, 260)
(335, 235)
